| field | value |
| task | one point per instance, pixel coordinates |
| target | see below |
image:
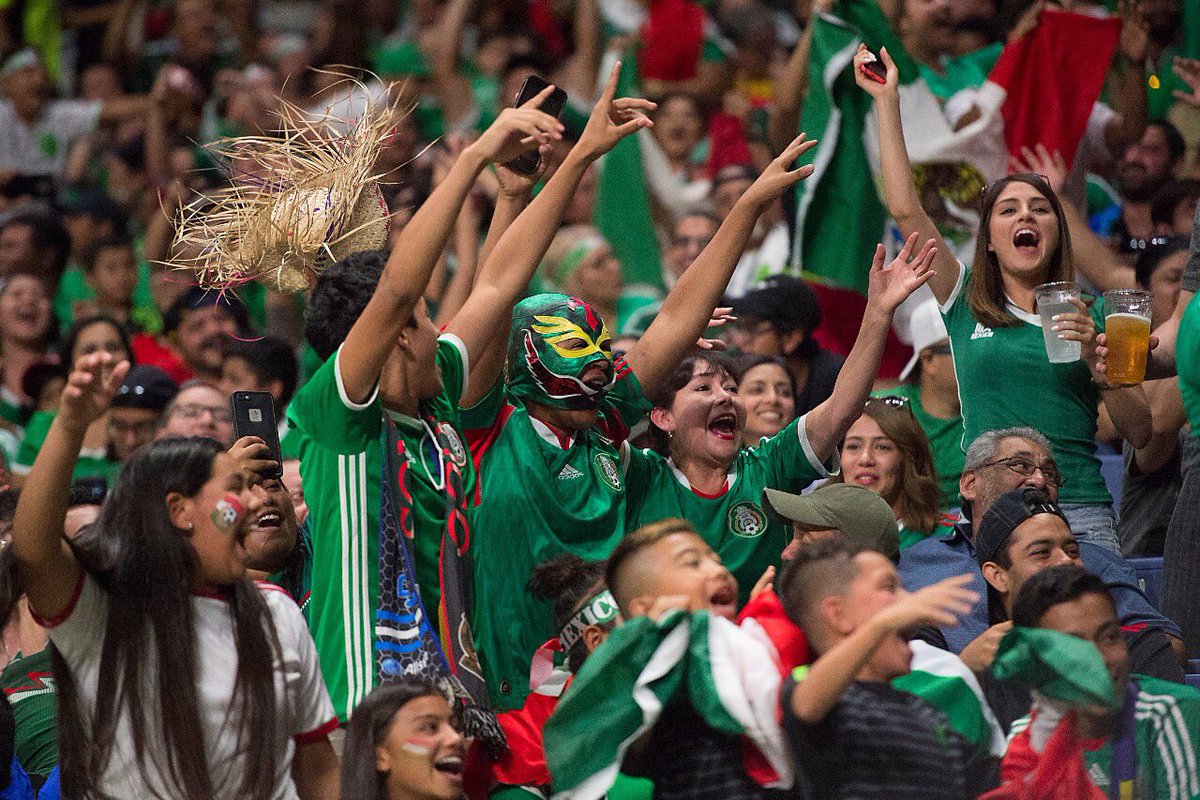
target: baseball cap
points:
(861, 515)
(785, 301)
(146, 387)
(926, 328)
(1009, 511)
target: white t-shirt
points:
(42, 149)
(303, 710)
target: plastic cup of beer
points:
(1127, 325)
(1055, 298)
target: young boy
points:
(851, 732)
(110, 269)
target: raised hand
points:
(1039, 161)
(1188, 70)
(872, 87)
(518, 130)
(613, 118)
(940, 604)
(253, 455)
(90, 389)
(1135, 33)
(778, 177)
(888, 287)
(720, 317)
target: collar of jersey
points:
(730, 479)
(546, 432)
(403, 420)
(1022, 314)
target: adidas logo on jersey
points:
(569, 472)
(982, 332)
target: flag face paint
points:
(226, 513)
(418, 747)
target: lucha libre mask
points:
(555, 339)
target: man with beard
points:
(197, 327)
(1147, 164)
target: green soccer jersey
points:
(733, 522)
(1005, 380)
(28, 683)
(1187, 361)
(945, 441)
(73, 287)
(295, 577)
(93, 461)
(12, 409)
(342, 465)
(944, 525)
(539, 496)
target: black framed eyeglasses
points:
(1024, 467)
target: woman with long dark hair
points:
(403, 743)
(1004, 377)
(178, 676)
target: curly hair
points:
(339, 298)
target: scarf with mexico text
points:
(406, 643)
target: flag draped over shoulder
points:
(727, 672)
(945, 682)
(623, 212)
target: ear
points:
(966, 486)
(179, 509)
(383, 760)
(662, 418)
(834, 612)
(997, 577)
(792, 340)
(593, 637)
(640, 606)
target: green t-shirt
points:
(539, 497)
(1005, 380)
(29, 685)
(12, 409)
(1166, 740)
(945, 441)
(910, 536)
(296, 576)
(92, 463)
(1187, 362)
(341, 464)
(74, 287)
(733, 523)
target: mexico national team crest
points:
(747, 520)
(606, 468)
(453, 444)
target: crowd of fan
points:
(520, 473)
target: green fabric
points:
(945, 442)
(90, 464)
(341, 464)
(734, 524)
(41, 28)
(1187, 361)
(1100, 195)
(1058, 665)
(910, 536)
(12, 410)
(289, 445)
(310, 362)
(1160, 100)
(28, 682)
(538, 500)
(296, 576)
(538, 368)
(945, 682)
(968, 71)
(74, 288)
(1059, 400)
(622, 211)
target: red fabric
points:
(149, 350)
(525, 762)
(841, 314)
(767, 610)
(1053, 76)
(317, 735)
(672, 38)
(1057, 773)
(549, 30)
(727, 143)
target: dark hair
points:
(1052, 586)
(986, 295)
(1176, 145)
(1155, 253)
(338, 299)
(529, 62)
(632, 544)
(664, 394)
(270, 359)
(89, 491)
(920, 499)
(50, 335)
(76, 330)
(196, 298)
(567, 581)
(148, 568)
(749, 361)
(820, 568)
(368, 728)
(8, 504)
(49, 234)
(113, 242)
(1168, 198)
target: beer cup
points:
(1054, 298)
(1127, 326)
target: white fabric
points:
(302, 704)
(1092, 156)
(42, 149)
(772, 257)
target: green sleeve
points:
(484, 413)
(788, 459)
(452, 361)
(322, 412)
(72, 287)
(35, 437)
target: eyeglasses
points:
(700, 242)
(1024, 467)
(893, 401)
(120, 427)
(192, 411)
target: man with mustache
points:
(1148, 163)
(197, 327)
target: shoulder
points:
(1157, 697)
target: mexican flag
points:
(945, 682)
(728, 673)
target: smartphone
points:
(527, 163)
(254, 415)
(875, 69)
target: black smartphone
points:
(875, 69)
(527, 163)
(254, 415)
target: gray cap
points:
(861, 515)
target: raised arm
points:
(688, 308)
(899, 192)
(887, 288)
(47, 566)
(421, 243)
(510, 266)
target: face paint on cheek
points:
(226, 513)
(418, 747)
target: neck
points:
(943, 405)
(402, 403)
(704, 475)
(257, 574)
(1137, 220)
(1019, 291)
(17, 358)
(923, 54)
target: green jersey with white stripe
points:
(342, 466)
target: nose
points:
(1037, 480)
(450, 736)
(1061, 557)
(866, 455)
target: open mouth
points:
(267, 520)
(723, 601)
(866, 479)
(451, 767)
(724, 426)
(1026, 237)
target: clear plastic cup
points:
(1052, 299)
(1127, 326)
